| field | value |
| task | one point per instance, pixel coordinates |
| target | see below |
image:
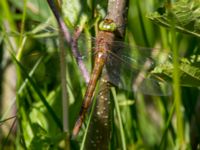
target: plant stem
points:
(176, 86)
(120, 119)
(69, 40)
(99, 132)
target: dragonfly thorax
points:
(101, 55)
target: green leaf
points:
(82, 12)
(185, 13)
(75, 12)
(190, 75)
(36, 9)
(189, 72)
(42, 140)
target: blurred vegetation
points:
(29, 56)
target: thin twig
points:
(78, 56)
(67, 36)
(6, 140)
(65, 103)
(70, 41)
(60, 21)
(1, 121)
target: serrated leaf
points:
(185, 13)
(189, 73)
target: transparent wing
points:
(130, 68)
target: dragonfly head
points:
(108, 25)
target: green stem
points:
(65, 102)
(23, 21)
(88, 125)
(167, 125)
(119, 118)
(176, 86)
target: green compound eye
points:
(107, 25)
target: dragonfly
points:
(129, 67)
(107, 52)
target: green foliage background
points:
(148, 122)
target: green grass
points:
(139, 121)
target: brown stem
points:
(99, 132)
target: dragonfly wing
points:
(134, 73)
(153, 87)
